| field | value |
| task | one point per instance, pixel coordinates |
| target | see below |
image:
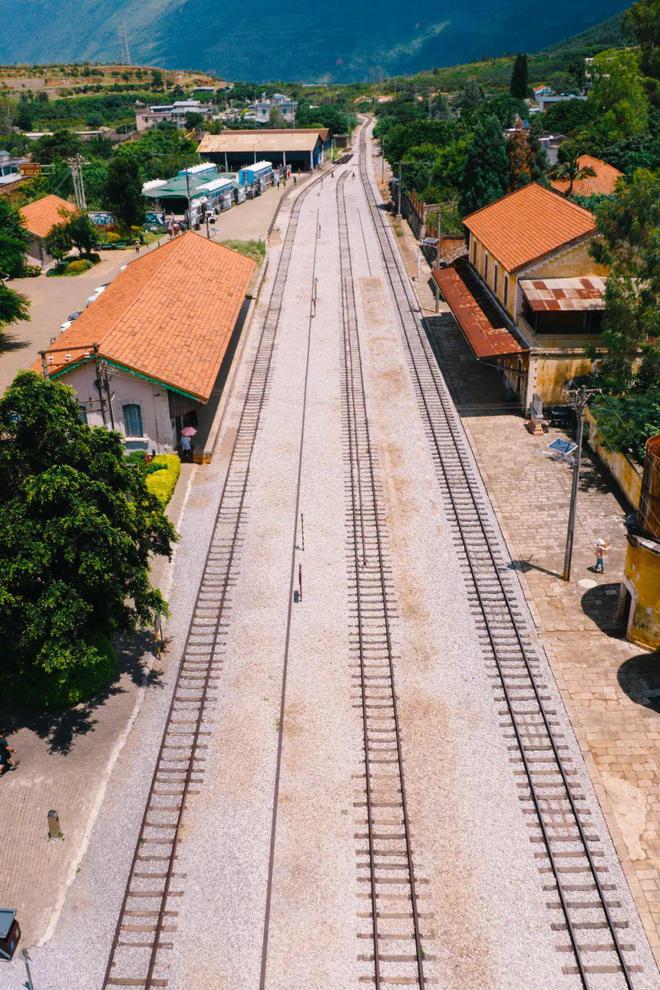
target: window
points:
(474, 252)
(132, 421)
(506, 290)
(495, 278)
(486, 268)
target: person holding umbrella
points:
(186, 446)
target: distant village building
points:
(302, 149)
(603, 183)
(10, 171)
(545, 96)
(261, 110)
(39, 218)
(529, 297)
(151, 354)
(176, 113)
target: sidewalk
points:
(65, 764)
(611, 688)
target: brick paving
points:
(611, 687)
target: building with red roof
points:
(150, 354)
(529, 296)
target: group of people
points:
(174, 229)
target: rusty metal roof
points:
(484, 330)
(560, 294)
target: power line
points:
(125, 50)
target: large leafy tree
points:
(643, 19)
(76, 230)
(13, 306)
(123, 191)
(519, 77)
(486, 174)
(629, 244)
(617, 96)
(14, 240)
(77, 529)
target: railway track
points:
(147, 918)
(389, 925)
(590, 923)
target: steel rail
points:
(413, 310)
(357, 419)
(240, 461)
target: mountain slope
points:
(293, 39)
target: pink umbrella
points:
(188, 431)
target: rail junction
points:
(366, 776)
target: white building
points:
(261, 110)
(151, 354)
(146, 117)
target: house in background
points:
(152, 353)
(529, 297)
(176, 113)
(261, 110)
(603, 183)
(39, 218)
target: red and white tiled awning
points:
(564, 294)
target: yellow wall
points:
(626, 472)
(642, 578)
(479, 262)
(570, 263)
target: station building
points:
(152, 353)
(528, 296)
(301, 149)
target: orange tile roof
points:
(169, 315)
(603, 183)
(528, 224)
(483, 327)
(41, 216)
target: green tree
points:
(13, 306)
(123, 191)
(23, 114)
(14, 240)
(643, 19)
(58, 243)
(56, 147)
(157, 79)
(75, 230)
(470, 95)
(519, 78)
(521, 159)
(629, 244)
(77, 529)
(486, 174)
(617, 97)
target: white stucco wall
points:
(125, 389)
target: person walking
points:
(137, 245)
(6, 762)
(186, 448)
(601, 548)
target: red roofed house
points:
(529, 297)
(39, 218)
(603, 183)
(151, 354)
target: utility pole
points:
(398, 193)
(125, 50)
(188, 195)
(579, 397)
(76, 166)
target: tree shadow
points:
(61, 728)
(10, 343)
(601, 605)
(639, 678)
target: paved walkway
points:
(611, 687)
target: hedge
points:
(161, 482)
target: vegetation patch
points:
(256, 250)
(161, 481)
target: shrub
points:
(111, 237)
(161, 483)
(626, 423)
(76, 267)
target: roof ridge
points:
(523, 189)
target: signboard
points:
(30, 170)
(101, 219)
(562, 446)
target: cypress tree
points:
(519, 82)
(486, 173)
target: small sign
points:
(30, 170)
(564, 447)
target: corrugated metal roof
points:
(485, 337)
(234, 142)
